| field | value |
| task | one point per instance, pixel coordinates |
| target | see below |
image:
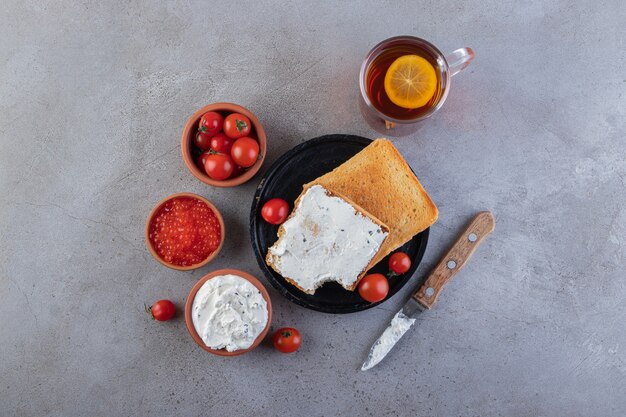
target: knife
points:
(426, 296)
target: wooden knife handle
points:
(458, 255)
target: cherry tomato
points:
(237, 125)
(202, 140)
(221, 143)
(275, 211)
(162, 310)
(399, 263)
(211, 123)
(245, 152)
(237, 171)
(202, 159)
(287, 340)
(219, 166)
(374, 288)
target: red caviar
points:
(185, 231)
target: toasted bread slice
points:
(379, 180)
(327, 237)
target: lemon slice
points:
(410, 81)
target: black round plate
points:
(285, 179)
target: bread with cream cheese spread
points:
(379, 184)
(326, 238)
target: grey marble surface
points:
(93, 97)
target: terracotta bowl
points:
(189, 267)
(189, 303)
(191, 128)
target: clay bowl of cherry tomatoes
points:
(223, 144)
(184, 231)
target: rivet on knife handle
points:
(453, 261)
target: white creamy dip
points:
(326, 239)
(229, 312)
(398, 327)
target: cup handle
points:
(459, 59)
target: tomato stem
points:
(149, 310)
(240, 124)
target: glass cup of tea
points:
(405, 80)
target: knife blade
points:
(426, 296)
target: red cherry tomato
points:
(287, 340)
(374, 288)
(202, 159)
(399, 263)
(275, 211)
(211, 123)
(237, 171)
(162, 310)
(221, 143)
(245, 152)
(237, 125)
(202, 140)
(219, 166)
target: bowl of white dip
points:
(228, 312)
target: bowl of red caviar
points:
(184, 231)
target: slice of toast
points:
(379, 180)
(327, 237)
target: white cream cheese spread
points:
(326, 239)
(228, 312)
(398, 327)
